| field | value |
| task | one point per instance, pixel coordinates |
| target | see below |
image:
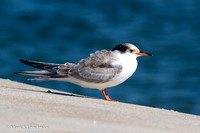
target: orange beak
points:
(144, 54)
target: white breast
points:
(129, 65)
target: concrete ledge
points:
(27, 108)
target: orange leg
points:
(106, 95)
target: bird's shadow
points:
(65, 94)
(50, 92)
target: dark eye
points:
(132, 50)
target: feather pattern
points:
(97, 68)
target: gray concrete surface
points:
(27, 108)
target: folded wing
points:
(97, 68)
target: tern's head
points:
(127, 48)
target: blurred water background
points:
(59, 31)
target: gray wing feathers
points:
(98, 59)
(96, 75)
(96, 68)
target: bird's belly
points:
(84, 84)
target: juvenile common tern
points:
(100, 70)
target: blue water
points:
(60, 31)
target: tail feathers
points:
(48, 72)
(35, 73)
(43, 75)
(40, 79)
(40, 65)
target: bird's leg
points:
(106, 95)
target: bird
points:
(101, 70)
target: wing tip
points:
(23, 61)
(19, 72)
(15, 72)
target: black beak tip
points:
(147, 54)
(150, 54)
